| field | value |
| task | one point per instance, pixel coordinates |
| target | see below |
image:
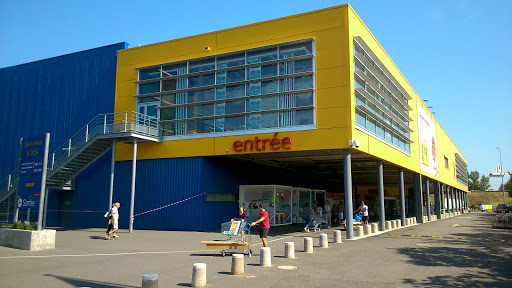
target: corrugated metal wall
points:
(57, 95)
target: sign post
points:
(32, 178)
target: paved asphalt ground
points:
(469, 254)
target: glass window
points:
(149, 88)
(304, 99)
(264, 71)
(269, 103)
(254, 89)
(270, 120)
(169, 99)
(254, 121)
(200, 95)
(268, 87)
(200, 126)
(221, 93)
(200, 111)
(169, 85)
(359, 82)
(371, 125)
(234, 123)
(304, 117)
(174, 70)
(221, 77)
(201, 65)
(219, 125)
(235, 75)
(305, 82)
(389, 135)
(295, 50)
(149, 74)
(253, 105)
(408, 147)
(201, 80)
(235, 107)
(230, 61)
(235, 91)
(261, 56)
(380, 130)
(167, 113)
(168, 129)
(286, 68)
(360, 99)
(148, 99)
(361, 118)
(220, 108)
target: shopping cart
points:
(239, 237)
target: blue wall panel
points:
(59, 95)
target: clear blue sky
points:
(456, 54)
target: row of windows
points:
(227, 77)
(261, 55)
(360, 83)
(359, 49)
(361, 100)
(376, 128)
(461, 170)
(257, 104)
(360, 67)
(240, 123)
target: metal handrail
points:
(103, 124)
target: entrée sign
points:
(261, 144)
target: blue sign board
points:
(28, 202)
(31, 171)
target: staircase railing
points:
(103, 124)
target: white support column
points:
(134, 171)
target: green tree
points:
(484, 183)
(473, 180)
(508, 186)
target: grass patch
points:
(24, 226)
(487, 198)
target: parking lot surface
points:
(462, 251)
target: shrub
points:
(24, 226)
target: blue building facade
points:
(58, 95)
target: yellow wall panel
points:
(332, 117)
(332, 97)
(330, 58)
(332, 77)
(283, 27)
(328, 38)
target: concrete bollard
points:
(388, 225)
(393, 224)
(375, 227)
(398, 223)
(358, 231)
(367, 229)
(323, 241)
(199, 275)
(408, 221)
(425, 219)
(289, 250)
(265, 257)
(237, 264)
(337, 236)
(308, 244)
(150, 280)
(414, 220)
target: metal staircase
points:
(82, 149)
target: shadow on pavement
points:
(76, 282)
(486, 262)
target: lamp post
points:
(502, 175)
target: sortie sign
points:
(258, 144)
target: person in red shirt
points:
(263, 224)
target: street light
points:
(502, 174)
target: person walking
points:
(327, 210)
(241, 215)
(109, 222)
(364, 211)
(114, 220)
(307, 212)
(263, 224)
